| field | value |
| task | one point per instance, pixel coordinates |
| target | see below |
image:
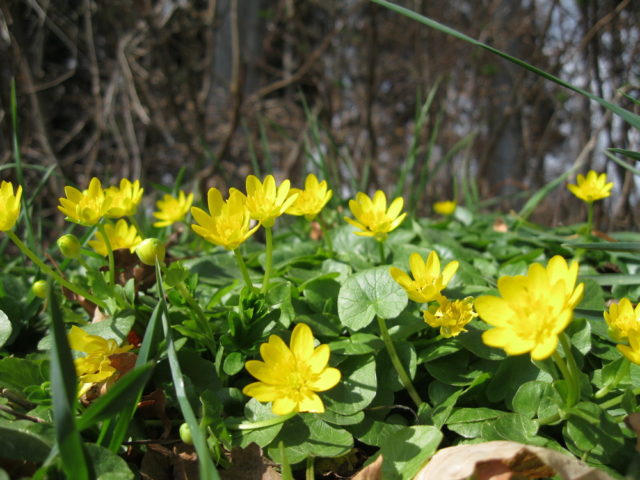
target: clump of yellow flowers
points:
(290, 376)
(427, 284)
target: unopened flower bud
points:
(149, 250)
(39, 288)
(69, 245)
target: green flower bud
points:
(39, 288)
(69, 245)
(185, 434)
(149, 250)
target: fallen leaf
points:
(249, 464)
(373, 471)
(517, 461)
(633, 422)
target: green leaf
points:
(536, 399)
(25, 441)
(468, 422)
(367, 294)
(63, 390)
(374, 432)
(510, 426)
(408, 450)
(233, 363)
(5, 328)
(356, 389)
(595, 437)
(357, 344)
(107, 465)
(20, 373)
(254, 411)
(306, 435)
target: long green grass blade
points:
(621, 162)
(114, 431)
(207, 469)
(63, 390)
(626, 153)
(611, 279)
(607, 246)
(626, 115)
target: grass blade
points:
(629, 117)
(207, 469)
(608, 246)
(622, 163)
(63, 389)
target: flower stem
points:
(325, 235)
(309, 473)
(572, 392)
(243, 269)
(395, 361)
(589, 218)
(107, 242)
(202, 321)
(268, 262)
(381, 251)
(269, 422)
(50, 272)
(617, 400)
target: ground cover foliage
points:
(279, 332)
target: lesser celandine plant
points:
(464, 357)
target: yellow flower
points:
(124, 200)
(428, 281)
(632, 352)
(624, 323)
(266, 202)
(172, 209)
(229, 223)
(446, 207)
(312, 199)
(622, 319)
(120, 235)
(10, 205)
(96, 366)
(450, 316)
(533, 310)
(86, 207)
(290, 376)
(372, 215)
(591, 188)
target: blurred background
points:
(366, 98)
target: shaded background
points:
(225, 88)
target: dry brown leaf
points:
(249, 464)
(500, 226)
(373, 471)
(517, 461)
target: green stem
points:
(395, 361)
(381, 251)
(617, 400)
(112, 265)
(574, 370)
(202, 321)
(572, 396)
(325, 235)
(50, 272)
(269, 422)
(589, 218)
(243, 269)
(309, 473)
(620, 374)
(550, 419)
(268, 262)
